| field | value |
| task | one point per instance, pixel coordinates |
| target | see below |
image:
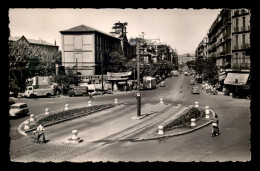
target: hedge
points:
(184, 119)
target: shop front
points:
(238, 84)
(119, 80)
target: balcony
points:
(245, 46)
(236, 47)
(240, 66)
(236, 29)
(227, 36)
(236, 12)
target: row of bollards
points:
(193, 121)
(27, 122)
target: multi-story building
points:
(219, 45)
(202, 49)
(43, 45)
(228, 40)
(229, 43)
(241, 39)
(84, 48)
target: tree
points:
(114, 62)
(19, 54)
(211, 71)
(26, 62)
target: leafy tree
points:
(19, 54)
(211, 71)
(114, 62)
(26, 62)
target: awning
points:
(241, 78)
(121, 83)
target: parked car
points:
(195, 90)
(162, 84)
(192, 82)
(18, 109)
(186, 73)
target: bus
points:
(149, 83)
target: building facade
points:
(241, 39)
(84, 48)
(228, 40)
(43, 45)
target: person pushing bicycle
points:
(40, 131)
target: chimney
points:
(55, 42)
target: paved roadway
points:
(232, 145)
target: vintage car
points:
(18, 109)
(192, 82)
(195, 90)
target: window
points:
(236, 40)
(243, 39)
(236, 58)
(244, 21)
(243, 58)
(237, 22)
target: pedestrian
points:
(40, 131)
(35, 95)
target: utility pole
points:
(138, 94)
(102, 59)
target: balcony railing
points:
(241, 47)
(236, 29)
(240, 66)
(245, 46)
(243, 28)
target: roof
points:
(32, 41)
(84, 29)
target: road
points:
(232, 145)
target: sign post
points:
(138, 81)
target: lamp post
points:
(138, 94)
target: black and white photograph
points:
(129, 85)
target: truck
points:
(47, 92)
(42, 85)
(78, 91)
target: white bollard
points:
(207, 112)
(66, 107)
(26, 126)
(193, 122)
(89, 103)
(161, 100)
(47, 111)
(160, 130)
(31, 117)
(116, 102)
(196, 104)
(74, 134)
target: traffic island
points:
(56, 117)
(191, 119)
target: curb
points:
(176, 134)
(56, 122)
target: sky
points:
(182, 29)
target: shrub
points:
(183, 119)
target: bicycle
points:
(33, 137)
